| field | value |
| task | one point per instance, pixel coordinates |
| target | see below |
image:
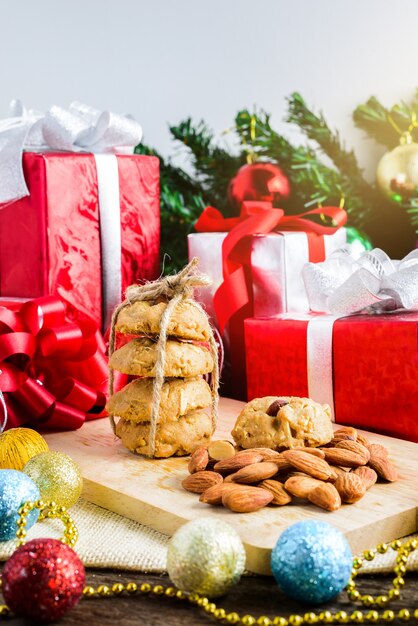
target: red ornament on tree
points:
(42, 580)
(258, 181)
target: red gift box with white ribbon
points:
(79, 212)
(365, 366)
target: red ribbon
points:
(53, 372)
(233, 301)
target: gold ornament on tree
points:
(18, 446)
(397, 171)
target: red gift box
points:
(51, 242)
(374, 368)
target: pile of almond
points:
(248, 480)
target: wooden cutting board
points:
(149, 492)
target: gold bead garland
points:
(48, 510)
(51, 510)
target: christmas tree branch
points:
(378, 122)
(316, 129)
(213, 166)
(181, 203)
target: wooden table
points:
(255, 595)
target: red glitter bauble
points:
(258, 181)
(42, 580)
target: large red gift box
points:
(51, 242)
(374, 368)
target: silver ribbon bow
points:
(371, 282)
(80, 128)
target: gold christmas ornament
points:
(397, 172)
(18, 446)
(57, 477)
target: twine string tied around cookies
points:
(175, 289)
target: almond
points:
(344, 458)
(200, 481)
(362, 439)
(236, 462)
(384, 468)
(280, 495)
(255, 472)
(312, 465)
(315, 451)
(283, 466)
(351, 487)
(221, 449)
(325, 496)
(268, 454)
(356, 447)
(246, 499)
(348, 431)
(301, 486)
(376, 449)
(213, 495)
(335, 472)
(335, 440)
(198, 460)
(367, 474)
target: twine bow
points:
(175, 289)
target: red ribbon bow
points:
(53, 371)
(233, 301)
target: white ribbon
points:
(110, 233)
(319, 359)
(346, 284)
(371, 282)
(80, 128)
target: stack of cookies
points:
(184, 418)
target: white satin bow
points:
(372, 282)
(80, 128)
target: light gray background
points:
(162, 60)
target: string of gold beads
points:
(403, 550)
(47, 510)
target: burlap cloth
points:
(109, 540)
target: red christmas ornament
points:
(258, 181)
(42, 580)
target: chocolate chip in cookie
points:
(275, 407)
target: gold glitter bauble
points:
(18, 445)
(57, 477)
(397, 173)
(205, 556)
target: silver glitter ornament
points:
(206, 556)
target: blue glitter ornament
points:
(311, 561)
(15, 489)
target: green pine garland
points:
(313, 181)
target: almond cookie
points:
(179, 437)
(283, 422)
(178, 397)
(181, 358)
(187, 321)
